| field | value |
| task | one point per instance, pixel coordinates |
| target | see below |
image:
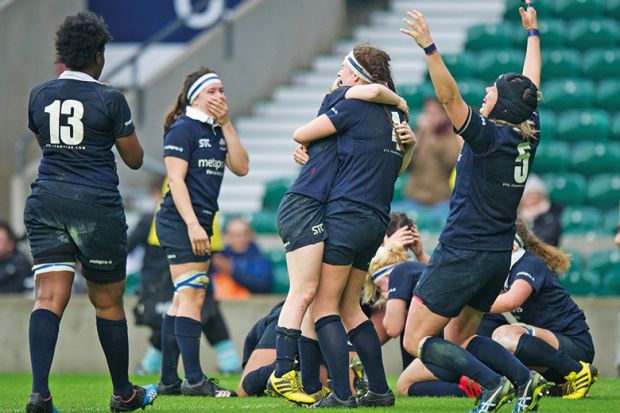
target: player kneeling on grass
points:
(552, 332)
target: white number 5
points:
(522, 162)
(69, 135)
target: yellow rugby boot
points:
(578, 383)
(288, 386)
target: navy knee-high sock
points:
(42, 336)
(310, 364)
(536, 352)
(366, 342)
(188, 332)
(286, 349)
(435, 388)
(494, 355)
(169, 351)
(115, 344)
(254, 382)
(333, 343)
(448, 356)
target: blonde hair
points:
(555, 258)
(526, 128)
(389, 254)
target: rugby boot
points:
(141, 397)
(37, 404)
(372, 399)
(321, 394)
(207, 387)
(491, 400)
(470, 387)
(529, 394)
(578, 383)
(334, 402)
(173, 389)
(288, 386)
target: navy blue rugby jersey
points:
(368, 152)
(549, 306)
(403, 279)
(490, 176)
(194, 138)
(78, 120)
(317, 175)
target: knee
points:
(411, 344)
(303, 294)
(402, 385)
(507, 337)
(52, 299)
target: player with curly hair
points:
(75, 212)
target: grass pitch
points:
(91, 393)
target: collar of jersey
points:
(200, 116)
(73, 75)
(516, 256)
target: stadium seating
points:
(566, 94)
(566, 189)
(415, 94)
(601, 63)
(580, 283)
(604, 261)
(580, 220)
(604, 191)
(274, 191)
(610, 221)
(571, 9)
(473, 91)
(548, 125)
(489, 36)
(280, 273)
(611, 283)
(592, 158)
(613, 9)
(264, 222)
(492, 63)
(461, 66)
(614, 130)
(580, 125)
(584, 34)
(551, 157)
(608, 94)
(560, 63)
(552, 33)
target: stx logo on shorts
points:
(318, 229)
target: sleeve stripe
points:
(467, 122)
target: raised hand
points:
(404, 132)
(218, 108)
(528, 16)
(419, 29)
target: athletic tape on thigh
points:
(530, 330)
(53, 267)
(191, 279)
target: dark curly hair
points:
(79, 38)
(180, 103)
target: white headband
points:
(357, 68)
(201, 83)
(382, 273)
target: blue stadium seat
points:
(551, 157)
(472, 91)
(604, 191)
(567, 189)
(581, 283)
(581, 125)
(587, 33)
(591, 158)
(264, 222)
(461, 66)
(563, 94)
(274, 191)
(581, 220)
(548, 125)
(601, 63)
(415, 94)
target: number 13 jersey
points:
(490, 176)
(78, 120)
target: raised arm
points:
(317, 128)
(445, 86)
(377, 93)
(533, 61)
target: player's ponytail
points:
(555, 258)
(181, 101)
(386, 255)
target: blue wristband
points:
(430, 49)
(533, 32)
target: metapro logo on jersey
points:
(213, 166)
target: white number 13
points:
(69, 135)
(522, 162)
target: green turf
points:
(91, 392)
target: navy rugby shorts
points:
(173, 238)
(300, 221)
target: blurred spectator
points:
(541, 215)
(241, 268)
(433, 160)
(15, 266)
(617, 238)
